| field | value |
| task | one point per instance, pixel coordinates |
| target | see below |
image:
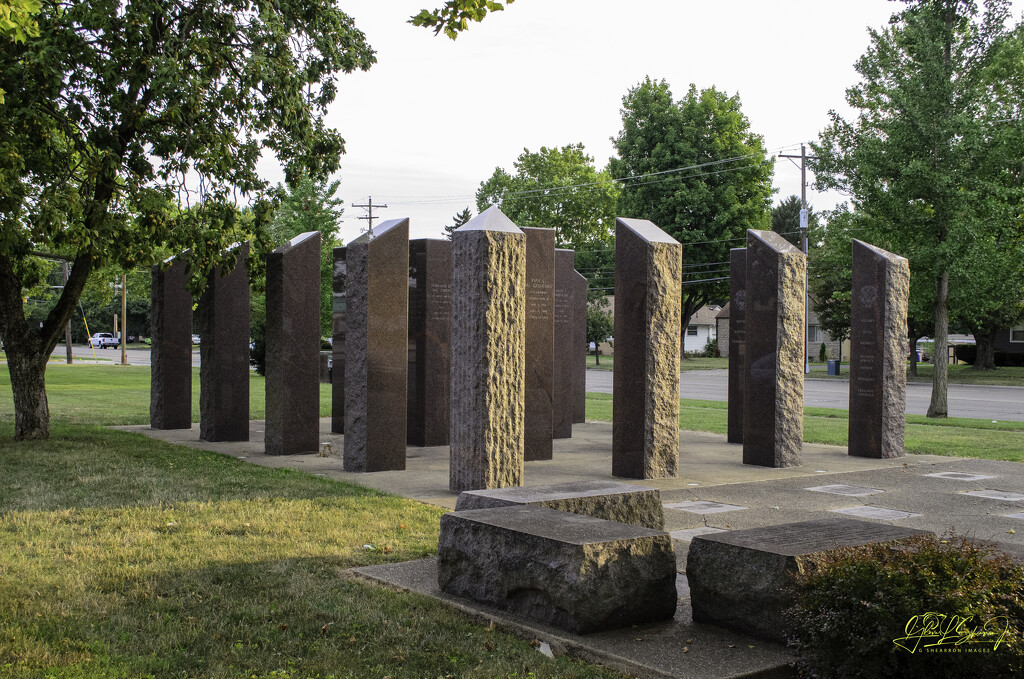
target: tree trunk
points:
(913, 354)
(597, 353)
(940, 360)
(985, 342)
(28, 383)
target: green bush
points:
(856, 604)
(711, 348)
(822, 353)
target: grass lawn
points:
(698, 363)
(122, 556)
(956, 437)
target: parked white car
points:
(101, 340)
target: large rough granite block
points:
(377, 349)
(293, 347)
(488, 341)
(645, 391)
(743, 579)
(579, 352)
(773, 385)
(224, 353)
(430, 323)
(540, 342)
(878, 349)
(340, 276)
(564, 356)
(737, 340)
(609, 500)
(170, 391)
(572, 571)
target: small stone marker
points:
(572, 571)
(170, 392)
(293, 347)
(609, 500)
(377, 349)
(878, 351)
(737, 341)
(564, 354)
(579, 353)
(430, 323)
(488, 340)
(224, 353)
(540, 342)
(645, 391)
(743, 579)
(340, 276)
(773, 389)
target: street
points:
(980, 402)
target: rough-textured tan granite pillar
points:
(645, 391)
(773, 388)
(737, 341)
(488, 344)
(293, 347)
(377, 349)
(878, 350)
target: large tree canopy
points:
(121, 112)
(694, 168)
(930, 160)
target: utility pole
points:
(369, 216)
(66, 271)
(803, 234)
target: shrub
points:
(822, 353)
(966, 353)
(711, 348)
(855, 604)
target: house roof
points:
(724, 313)
(705, 315)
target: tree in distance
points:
(695, 169)
(786, 222)
(600, 325)
(929, 160)
(143, 127)
(458, 220)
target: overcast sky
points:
(434, 117)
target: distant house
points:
(701, 328)
(1010, 340)
(815, 337)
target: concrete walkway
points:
(714, 492)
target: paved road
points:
(135, 356)
(981, 402)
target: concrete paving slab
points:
(703, 507)
(870, 512)
(843, 489)
(961, 476)
(676, 648)
(996, 495)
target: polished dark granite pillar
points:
(170, 392)
(773, 389)
(562, 384)
(430, 323)
(340, 277)
(737, 340)
(878, 349)
(540, 341)
(224, 353)
(377, 349)
(293, 347)
(645, 391)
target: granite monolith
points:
(340, 277)
(170, 391)
(645, 391)
(562, 372)
(540, 342)
(224, 351)
(430, 323)
(488, 344)
(377, 348)
(293, 347)
(737, 339)
(878, 348)
(579, 352)
(773, 386)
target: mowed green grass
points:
(954, 436)
(122, 556)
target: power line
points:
(369, 217)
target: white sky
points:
(434, 117)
